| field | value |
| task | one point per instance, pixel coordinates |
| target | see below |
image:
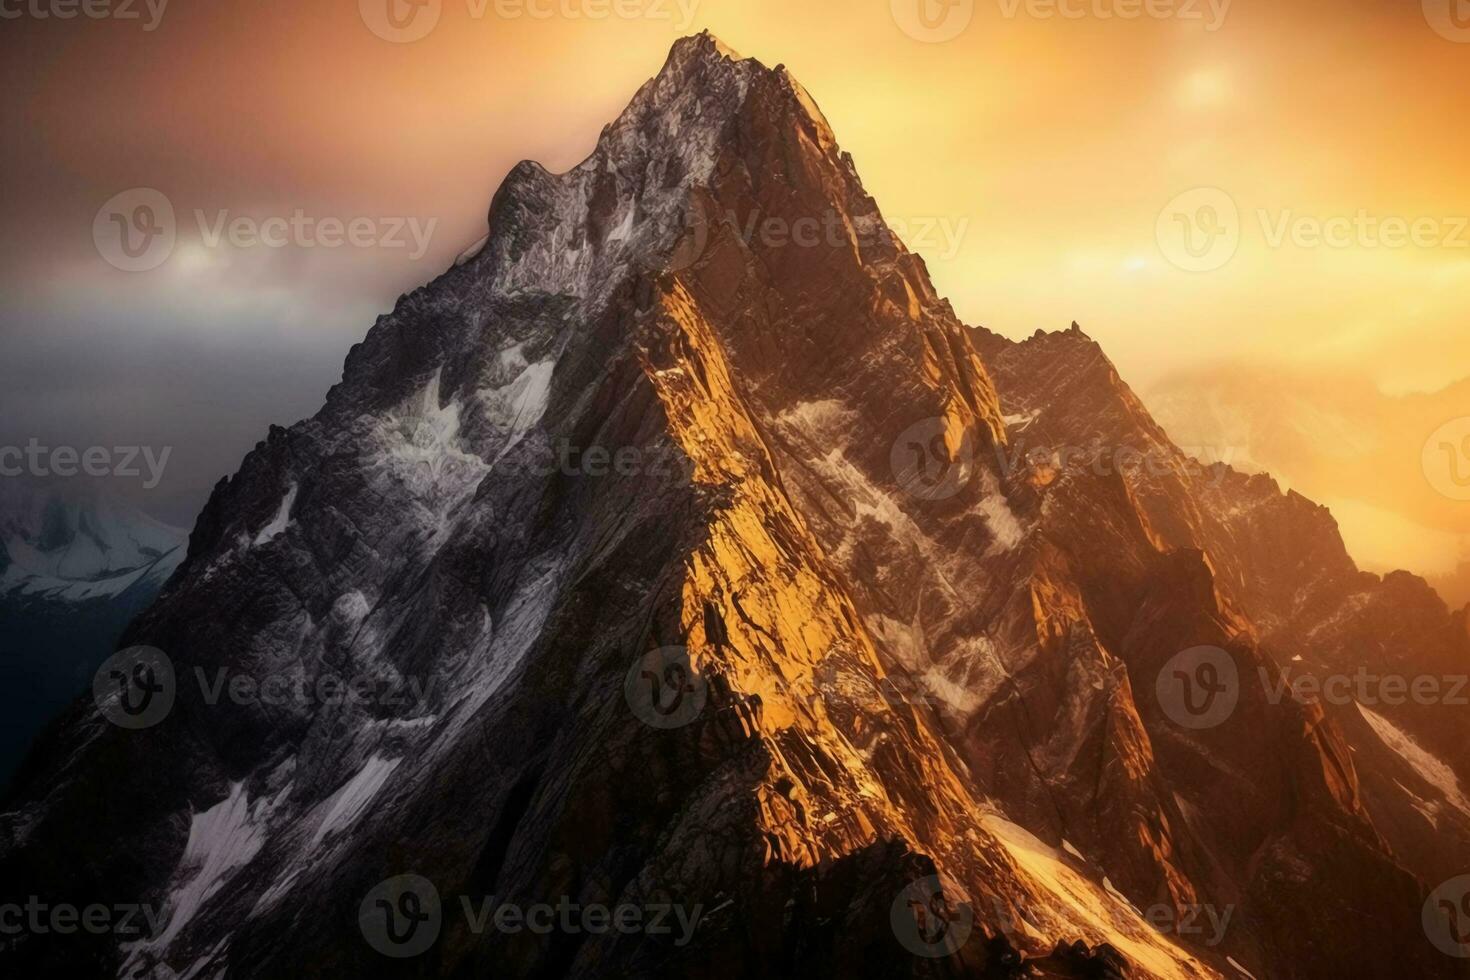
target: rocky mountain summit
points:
(685, 554)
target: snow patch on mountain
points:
(347, 804)
(419, 446)
(509, 641)
(283, 517)
(517, 407)
(1424, 763)
(999, 517)
(222, 839)
(1097, 910)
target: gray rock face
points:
(673, 548)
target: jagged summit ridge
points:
(636, 199)
(623, 207)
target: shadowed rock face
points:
(693, 394)
(1278, 560)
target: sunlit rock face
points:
(697, 542)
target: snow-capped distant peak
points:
(75, 548)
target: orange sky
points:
(1029, 158)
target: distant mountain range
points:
(1340, 441)
(75, 567)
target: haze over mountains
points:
(973, 672)
(1340, 441)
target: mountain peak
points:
(694, 415)
(634, 201)
(702, 45)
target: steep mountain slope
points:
(1399, 658)
(627, 444)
